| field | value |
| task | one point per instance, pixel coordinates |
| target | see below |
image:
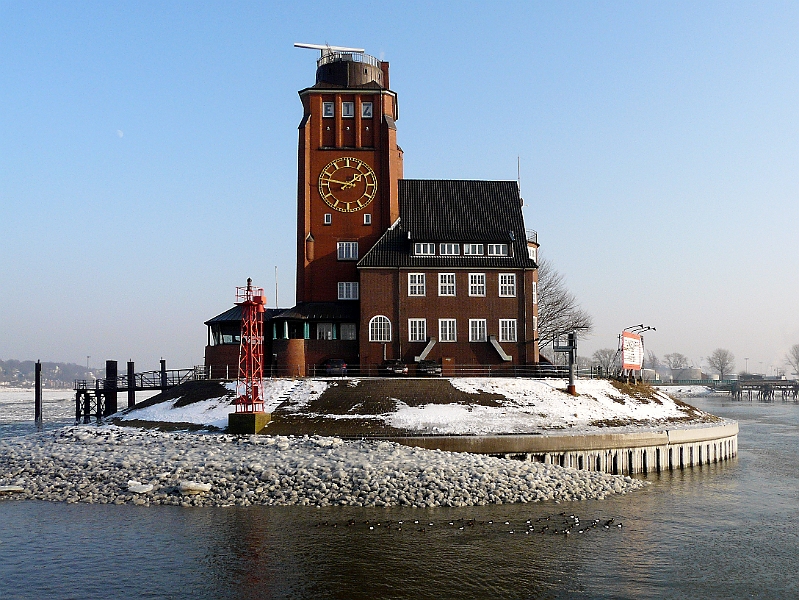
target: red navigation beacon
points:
(250, 383)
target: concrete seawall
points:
(617, 453)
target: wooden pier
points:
(98, 398)
(764, 390)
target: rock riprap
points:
(109, 464)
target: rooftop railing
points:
(532, 235)
(334, 56)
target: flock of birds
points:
(561, 524)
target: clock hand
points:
(351, 182)
(344, 183)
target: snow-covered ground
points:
(538, 406)
(530, 406)
(109, 464)
(214, 412)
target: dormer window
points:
(473, 249)
(449, 249)
(497, 249)
(424, 249)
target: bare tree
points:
(792, 359)
(722, 361)
(558, 309)
(676, 361)
(652, 361)
(604, 358)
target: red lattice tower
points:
(251, 351)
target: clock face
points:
(347, 184)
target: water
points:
(729, 530)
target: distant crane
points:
(250, 383)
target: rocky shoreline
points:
(109, 464)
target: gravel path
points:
(106, 464)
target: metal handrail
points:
(335, 56)
(532, 235)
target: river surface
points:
(729, 530)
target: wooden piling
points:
(131, 385)
(37, 401)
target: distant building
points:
(392, 268)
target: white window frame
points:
(507, 289)
(477, 284)
(535, 323)
(447, 330)
(531, 252)
(478, 330)
(347, 250)
(347, 290)
(328, 219)
(380, 329)
(473, 249)
(497, 250)
(348, 110)
(328, 110)
(446, 287)
(417, 284)
(417, 330)
(507, 330)
(367, 218)
(449, 249)
(367, 107)
(424, 249)
(535, 292)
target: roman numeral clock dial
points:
(347, 184)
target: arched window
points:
(379, 329)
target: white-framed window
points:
(473, 249)
(531, 252)
(348, 110)
(379, 329)
(507, 284)
(328, 109)
(324, 331)
(416, 284)
(497, 249)
(367, 219)
(328, 220)
(417, 330)
(535, 323)
(347, 290)
(348, 331)
(446, 284)
(424, 249)
(348, 250)
(447, 331)
(449, 249)
(477, 284)
(535, 292)
(366, 110)
(507, 330)
(477, 330)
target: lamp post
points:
(746, 368)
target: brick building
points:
(393, 268)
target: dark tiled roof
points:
(434, 210)
(322, 311)
(233, 315)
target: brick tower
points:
(348, 167)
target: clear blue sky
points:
(148, 159)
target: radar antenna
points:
(327, 48)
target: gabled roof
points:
(433, 210)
